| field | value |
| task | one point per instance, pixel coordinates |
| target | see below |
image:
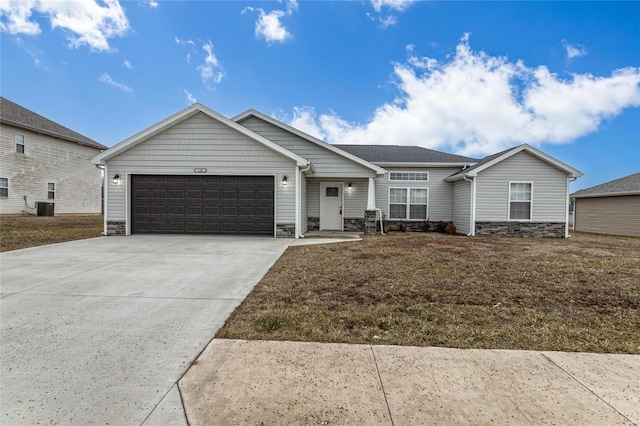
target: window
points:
(332, 191)
(4, 187)
(408, 203)
(409, 176)
(520, 200)
(51, 191)
(19, 143)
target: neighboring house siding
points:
(440, 192)
(462, 206)
(201, 141)
(549, 198)
(355, 201)
(47, 159)
(618, 215)
(325, 162)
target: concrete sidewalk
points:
(263, 382)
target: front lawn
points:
(576, 294)
(22, 231)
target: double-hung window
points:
(19, 143)
(520, 197)
(4, 187)
(408, 203)
(51, 191)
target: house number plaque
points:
(200, 170)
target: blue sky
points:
(466, 77)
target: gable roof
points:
(491, 160)
(628, 185)
(251, 112)
(183, 115)
(405, 155)
(15, 115)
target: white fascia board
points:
(421, 165)
(533, 151)
(305, 136)
(182, 115)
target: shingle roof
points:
(15, 115)
(380, 154)
(627, 185)
(483, 161)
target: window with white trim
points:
(409, 176)
(19, 143)
(4, 187)
(408, 203)
(51, 191)
(520, 196)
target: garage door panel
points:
(202, 204)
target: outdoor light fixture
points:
(116, 179)
(349, 187)
(284, 181)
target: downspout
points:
(472, 219)
(299, 199)
(566, 222)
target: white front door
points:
(331, 206)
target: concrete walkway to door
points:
(99, 331)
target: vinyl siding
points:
(303, 204)
(609, 215)
(440, 192)
(47, 159)
(201, 141)
(325, 162)
(462, 206)
(355, 201)
(549, 197)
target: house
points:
(609, 208)
(200, 172)
(44, 162)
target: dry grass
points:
(17, 232)
(577, 294)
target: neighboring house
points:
(42, 161)
(609, 208)
(200, 172)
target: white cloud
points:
(151, 3)
(399, 5)
(86, 23)
(574, 51)
(127, 64)
(105, 78)
(190, 98)
(268, 25)
(210, 70)
(187, 42)
(476, 104)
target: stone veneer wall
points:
(313, 224)
(521, 229)
(286, 230)
(353, 224)
(116, 227)
(395, 225)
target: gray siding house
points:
(609, 208)
(43, 161)
(200, 172)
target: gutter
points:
(472, 218)
(298, 199)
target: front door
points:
(331, 206)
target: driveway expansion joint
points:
(384, 393)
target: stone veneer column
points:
(370, 221)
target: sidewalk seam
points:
(587, 388)
(384, 393)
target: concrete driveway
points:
(99, 331)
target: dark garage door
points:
(202, 204)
